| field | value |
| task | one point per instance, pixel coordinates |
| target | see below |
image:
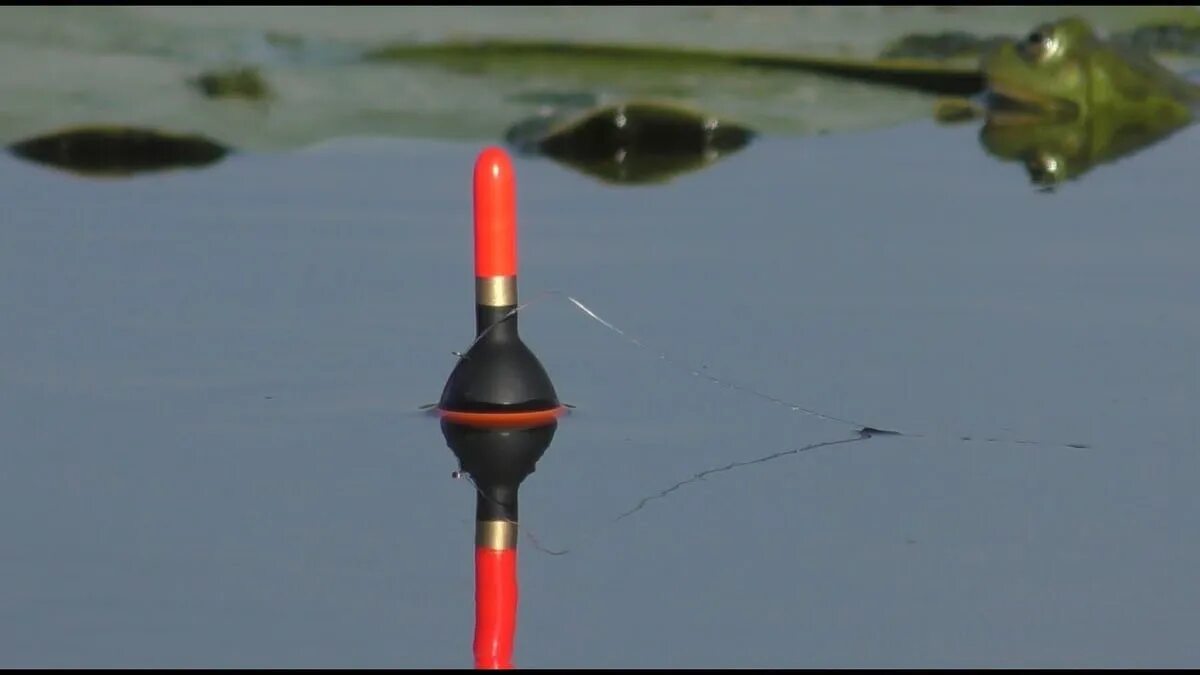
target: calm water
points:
(209, 384)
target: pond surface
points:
(210, 385)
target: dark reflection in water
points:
(497, 459)
(631, 143)
(735, 465)
(117, 152)
(1057, 151)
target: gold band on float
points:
(496, 291)
(497, 535)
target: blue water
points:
(214, 457)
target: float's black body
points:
(497, 460)
(498, 373)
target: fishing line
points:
(526, 530)
(862, 428)
(733, 465)
(543, 295)
(863, 431)
(589, 536)
(715, 380)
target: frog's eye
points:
(1040, 44)
(1045, 169)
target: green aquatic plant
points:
(1179, 38)
(945, 63)
(479, 56)
(476, 89)
(938, 46)
(244, 83)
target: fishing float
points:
(498, 410)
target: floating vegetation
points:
(116, 151)
(244, 83)
(1175, 39)
(938, 46)
(1180, 39)
(955, 110)
(477, 56)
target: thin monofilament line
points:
(536, 543)
(865, 429)
(543, 295)
(521, 307)
(711, 378)
(528, 532)
(729, 467)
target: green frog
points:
(1062, 100)
(1063, 69)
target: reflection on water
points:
(1053, 152)
(632, 143)
(115, 152)
(1062, 100)
(702, 475)
(497, 460)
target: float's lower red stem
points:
(495, 607)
